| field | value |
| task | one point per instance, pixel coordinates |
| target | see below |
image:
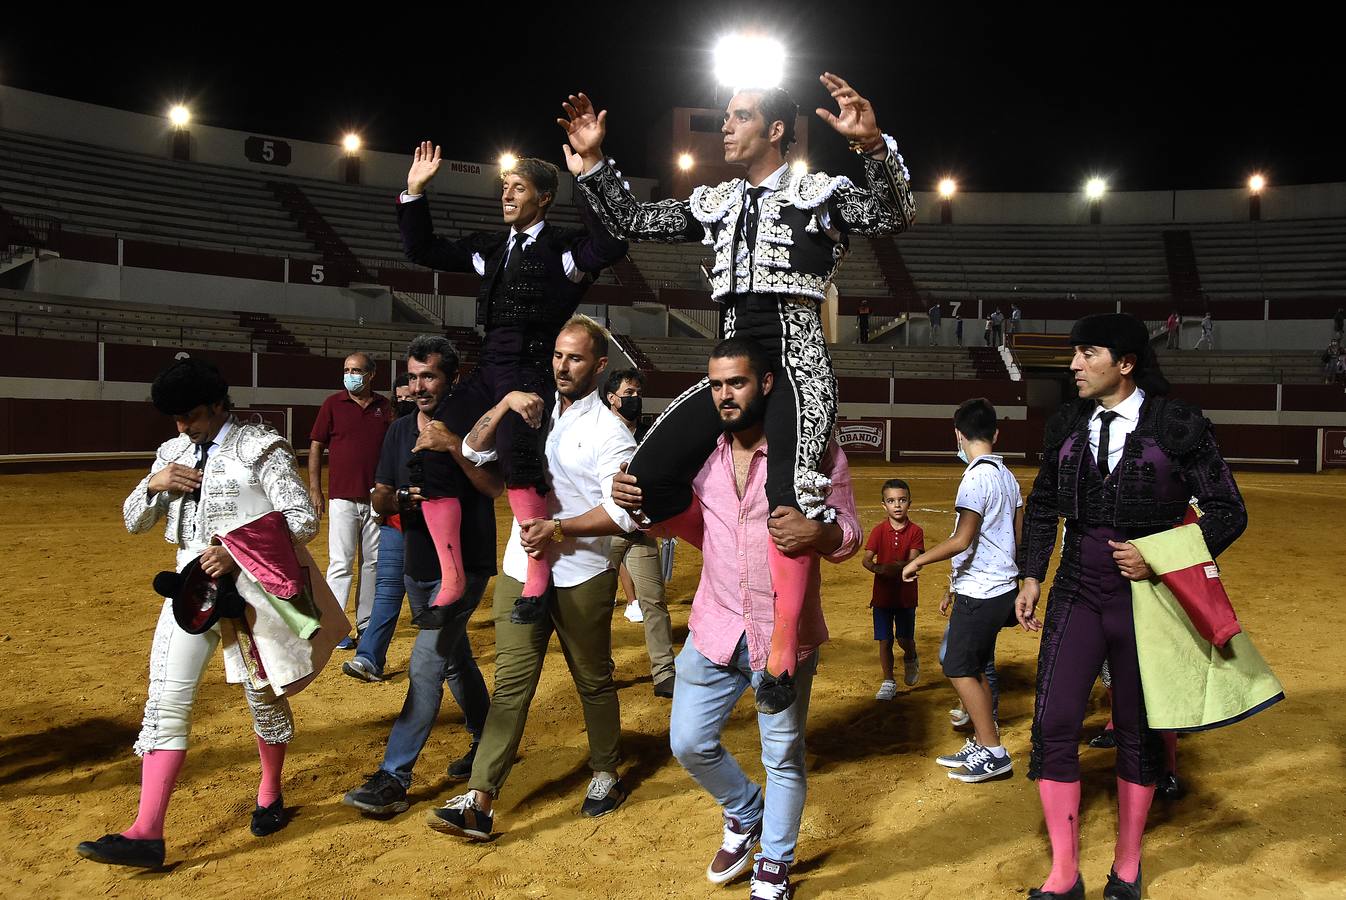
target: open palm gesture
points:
(424, 165)
(585, 130)
(854, 119)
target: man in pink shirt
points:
(732, 617)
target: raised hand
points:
(585, 130)
(854, 119)
(424, 165)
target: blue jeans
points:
(439, 656)
(704, 697)
(992, 677)
(388, 593)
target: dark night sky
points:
(1005, 96)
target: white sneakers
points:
(887, 690)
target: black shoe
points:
(1169, 788)
(664, 687)
(1104, 741)
(1076, 892)
(461, 769)
(775, 693)
(116, 850)
(605, 794)
(269, 819)
(382, 795)
(1116, 889)
(527, 610)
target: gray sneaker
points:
(381, 795)
(983, 766)
(954, 760)
(361, 668)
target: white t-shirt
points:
(987, 567)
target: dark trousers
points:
(1089, 620)
(799, 414)
(512, 359)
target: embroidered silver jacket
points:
(783, 260)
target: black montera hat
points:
(199, 600)
(187, 384)
(1119, 331)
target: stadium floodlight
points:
(351, 142)
(947, 187)
(685, 161)
(1095, 188)
(1256, 183)
(507, 161)
(800, 167)
(179, 116)
(749, 60)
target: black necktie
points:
(1105, 418)
(515, 256)
(201, 467)
(750, 214)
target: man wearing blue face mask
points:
(351, 425)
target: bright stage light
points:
(800, 167)
(507, 161)
(351, 142)
(1095, 188)
(947, 187)
(1256, 183)
(179, 116)
(685, 161)
(749, 60)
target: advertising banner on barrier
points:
(863, 436)
(1332, 444)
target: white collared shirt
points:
(586, 446)
(1128, 417)
(572, 271)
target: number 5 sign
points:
(269, 151)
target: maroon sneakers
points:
(770, 880)
(735, 853)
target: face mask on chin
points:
(353, 383)
(630, 407)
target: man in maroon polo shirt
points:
(351, 425)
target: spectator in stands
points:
(1173, 326)
(637, 556)
(1016, 316)
(771, 282)
(1207, 333)
(936, 313)
(986, 332)
(862, 320)
(533, 279)
(441, 654)
(997, 328)
(1339, 323)
(958, 328)
(351, 424)
(370, 656)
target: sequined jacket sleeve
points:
(275, 468)
(139, 510)
(624, 217)
(1040, 521)
(596, 247)
(1207, 476)
(425, 248)
(887, 206)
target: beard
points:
(749, 416)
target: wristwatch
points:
(556, 534)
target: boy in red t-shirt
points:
(892, 544)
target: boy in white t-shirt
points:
(985, 583)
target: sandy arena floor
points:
(1263, 817)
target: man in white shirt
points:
(585, 447)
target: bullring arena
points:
(127, 243)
